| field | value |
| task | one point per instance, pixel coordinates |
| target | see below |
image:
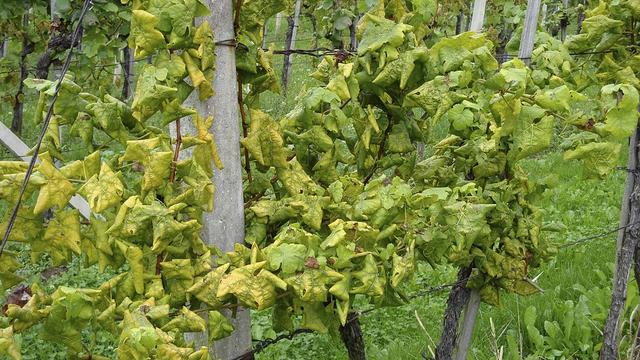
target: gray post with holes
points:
(224, 227)
(529, 33)
(477, 21)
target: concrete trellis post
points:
(278, 24)
(477, 21)
(224, 227)
(529, 32)
(18, 148)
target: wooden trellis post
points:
(564, 21)
(468, 324)
(18, 107)
(128, 67)
(278, 24)
(265, 31)
(628, 240)
(529, 33)
(459, 22)
(291, 44)
(4, 46)
(477, 21)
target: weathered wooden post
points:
(459, 22)
(128, 68)
(529, 33)
(626, 247)
(265, 31)
(27, 48)
(564, 21)
(290, 45)
(477, 21)
(278, 24)
(4, 46)
(458, 298)
(468, 324)
(352, 33)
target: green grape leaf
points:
(622, 119)
(315, 317)
(598, 158)
(532, 138)
(288, 257)
(151, 92)
(379, 32)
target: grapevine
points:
(346, 194)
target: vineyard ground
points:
(586, 207)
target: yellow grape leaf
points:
(61, 236)
(219, 326)
(144, 37)
(373, 283)
(265, 142)
(195, 74)
(312, 284)
(104, 190)
(206, 287)
(157, 170)
(8, 346)
(56, 191)
(254, 291)
(8, 266)
(203, 154)
(187, 321)
(206, 49)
